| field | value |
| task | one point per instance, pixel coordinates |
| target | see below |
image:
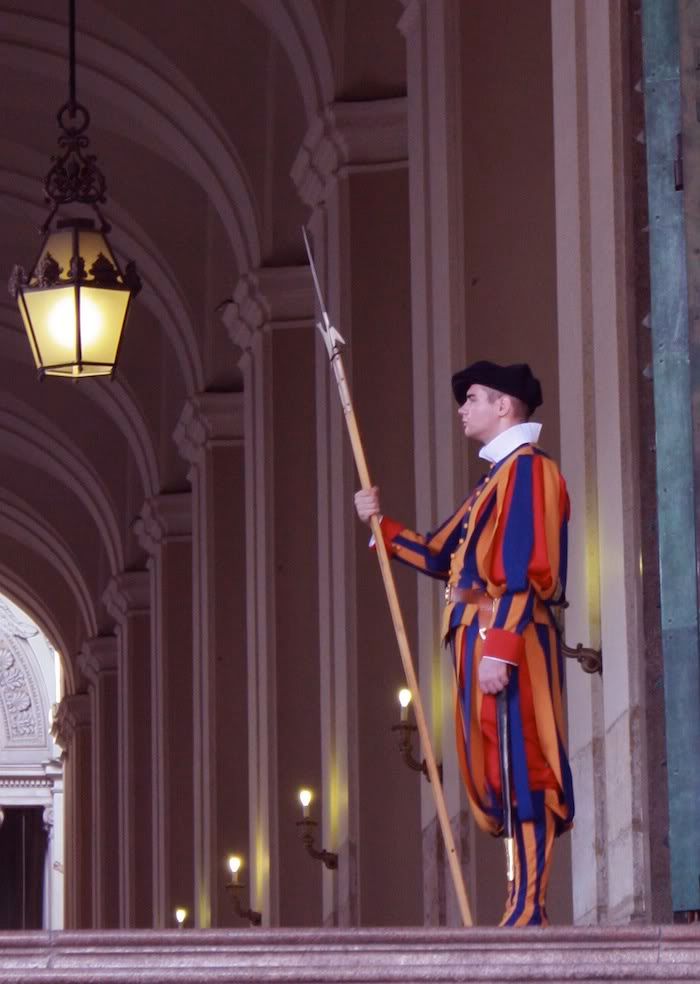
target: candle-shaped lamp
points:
(234, 863)
(405, 697)
(305, 797)
(180, 917)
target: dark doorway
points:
(23, 842)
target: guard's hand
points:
(493, 675)
(367, 503)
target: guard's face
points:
(480, 416)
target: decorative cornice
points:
(28, 782)
(268, 298)
(164, 518)
(209, 420)
(98, 655)
(349, 134)
(72, 715)
(128, 593)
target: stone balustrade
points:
(647, 953)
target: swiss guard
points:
(502, 557)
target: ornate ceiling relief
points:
(20, 697)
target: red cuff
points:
(390, 530)
(508, 646)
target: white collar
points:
(508, 440)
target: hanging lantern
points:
(75, 301)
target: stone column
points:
(72, 728)
(271, 323)
(97, 662)
(54, 900)
(128, 600)
(164, 530)
(610, 851)
(431, 29)
(352, 172)
(209, 435)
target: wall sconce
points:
(307, 824)
(180, 917)
(406, 731)
(235, 887)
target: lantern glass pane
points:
(27, 328)
(52, 314)
(60, 246)
(102, 314)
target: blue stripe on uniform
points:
(519, 536)
(521, 782)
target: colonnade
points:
(255, 653)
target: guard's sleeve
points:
(429, 553)
(528, 555)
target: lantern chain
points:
(74, 175)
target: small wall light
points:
(305, 797)
(307, 835)
(235, 887)
(406, 731)
(180, 917)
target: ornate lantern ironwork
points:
(75, 301)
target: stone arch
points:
(32, 437)
(22, 594)
(172, 108)
(297, 27)
(25, 525)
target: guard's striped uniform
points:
(509, 539)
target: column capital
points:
(349, 134)
(267, 298)
(98, 655)
(165, 517)
(128, 593)
(72, 715)
(410, 16)
(207, 420)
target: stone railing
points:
(651, 953)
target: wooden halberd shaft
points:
(402, 640)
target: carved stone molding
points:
(27, 782)
(21, 705)
(166, 517)
(11, 624)
(209, 419)
(349, 134)
(73, 714)
(128, 594)
(268, 298)
(98, 655)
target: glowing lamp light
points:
(405, 698)
(180, 917)
(75, 302)
(305, 797)
(234, 863)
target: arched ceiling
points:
(196, 121)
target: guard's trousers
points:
(534, 839)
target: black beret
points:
(516, 380)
